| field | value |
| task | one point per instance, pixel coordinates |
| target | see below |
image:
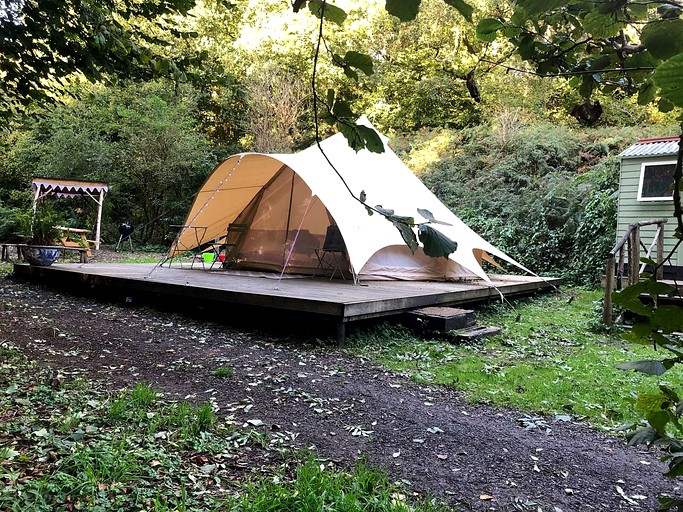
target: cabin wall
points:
(631, 210)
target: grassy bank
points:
(551, 357)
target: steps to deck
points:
(443, 319)
(474, 333)
(458, 323)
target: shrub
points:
(546, 195)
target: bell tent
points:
(286, 205)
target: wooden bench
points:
(83, 251)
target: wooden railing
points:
(631, 255)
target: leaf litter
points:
(300, 396)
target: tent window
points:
(656, 181)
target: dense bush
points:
(140, 139)
(544, 194)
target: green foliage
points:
(46, 43)
(141, 140)
(317, 487)
(39, 227)
(10, 225)
(223, 372)
(543, 194)
(659, 325)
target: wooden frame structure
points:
(95, 190)
(337, 302)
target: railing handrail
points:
(629, 230)
(632, 236)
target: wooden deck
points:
(337, 301)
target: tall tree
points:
(45, 42)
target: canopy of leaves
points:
(629, 46)
(44, 43)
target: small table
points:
(77, 233)
(178, 248)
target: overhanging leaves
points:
(487, 29)
(430, 217)
(601, 25)
(668, 318)
(645, 435)
(462, 7)
(359, 61)
(532, 7)
(404, 10)
(669, 78)
(329, 11)
(361, 137)
(408, 235)
(663, 39)
(649, 367)
(435, 244)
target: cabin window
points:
(656, 181)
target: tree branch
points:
(569, 73)
(678, 175)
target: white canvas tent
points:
(288, 201)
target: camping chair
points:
(211, 253)
(333, 252)
(232, 241)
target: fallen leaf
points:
(208, 468)
(621, 493)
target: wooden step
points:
(441, 319)
(474, 333)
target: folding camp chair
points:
(333, 252)
(232, 241)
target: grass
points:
(68, 445)
(551, 357)
(317, 488)
(223, 372)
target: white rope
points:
(296, 236)
(182, 230)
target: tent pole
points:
(99, 220)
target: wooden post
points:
(620, 268)
(340, 334)
(634, 256)
(660, 251)
(609, 287)
(36, 195)
(99, 220)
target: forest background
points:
(512, 154)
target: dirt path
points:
(475, 458)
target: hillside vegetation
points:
(546, 194)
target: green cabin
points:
(646, 193)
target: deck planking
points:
(341, 301)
